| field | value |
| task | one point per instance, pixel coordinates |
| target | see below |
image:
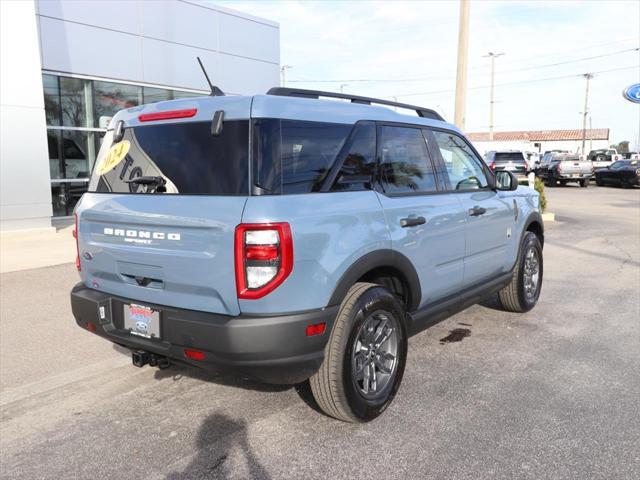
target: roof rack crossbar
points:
(302, 93)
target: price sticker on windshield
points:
(116, 154)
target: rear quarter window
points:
(186, 155)
(293, 156)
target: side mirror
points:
(506, 181)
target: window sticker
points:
(116, 154)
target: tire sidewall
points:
(530, 240)
(375, 298)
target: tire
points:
(599, 182)
(584, 183)
(563, 183)
(337, 386)
(551, 181)
(516, 297)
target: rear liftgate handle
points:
(477, 211)
(412, 221)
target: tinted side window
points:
(463, 168)
(359, 164)
(295, 156)
(185, 155)
(405, 165)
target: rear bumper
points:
(573, 176)
(271, 349)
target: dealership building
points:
(68, 66)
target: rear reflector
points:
(91, 326)
(261, 252)
(317, 329)
(193, 354)
(168, 115)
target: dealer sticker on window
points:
(116, 154)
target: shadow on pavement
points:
(218, 436)
(176, 372)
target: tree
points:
(622, 147)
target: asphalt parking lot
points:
(554, 393)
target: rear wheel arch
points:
(384, 267)
(535, 225)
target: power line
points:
(519, 82)
(415, 79)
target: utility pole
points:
(590, 135)
(585, 112)
(283, 69)
(493, 57)
(461, 74)
(342, 87)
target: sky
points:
(408, 50)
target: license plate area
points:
(141, 320)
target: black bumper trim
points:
(272, 349)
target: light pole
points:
(283, 69)
(461, 74)
(493, 57)
(342, 87)
(585, 112)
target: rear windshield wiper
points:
(153, 183)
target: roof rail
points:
(298, 92)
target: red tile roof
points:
(540, 135)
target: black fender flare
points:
(534, 217)
(377, 259)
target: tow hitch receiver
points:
(141, 358)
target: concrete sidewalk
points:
(36, 249)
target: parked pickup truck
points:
(603, 157)
(565, 168)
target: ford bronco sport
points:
(287, 237)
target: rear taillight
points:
(526, 166)
(559, 168)
(75, 235)
(263, 258)
(492, 166)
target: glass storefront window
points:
(109, 98)
(77, 112)
(72, 153)
(51, 99)
(73, 102)
(65, 195)
(152, 95)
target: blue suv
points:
(291, 237)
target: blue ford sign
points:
(632, 93)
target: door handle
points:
(477, 211)
(412, 221)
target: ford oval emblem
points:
(632, 93)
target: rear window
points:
(508, 157)
(293, 156)
(187, 157)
